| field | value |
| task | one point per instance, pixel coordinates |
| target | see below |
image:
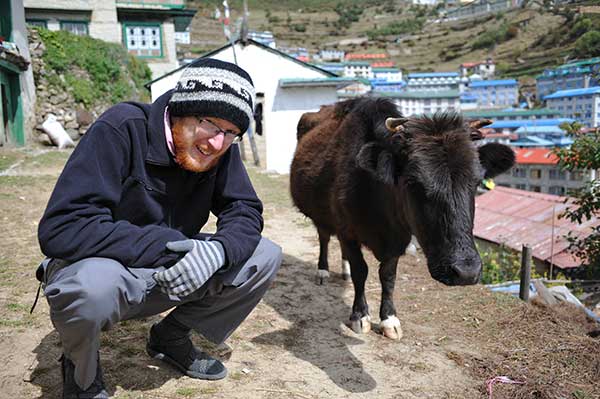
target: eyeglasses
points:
(214, 130)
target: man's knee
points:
(271, 255)
(92, 290)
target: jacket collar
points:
(158, 153)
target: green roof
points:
(589, 61)
(422, 94)
(495, 113)
(339, 81)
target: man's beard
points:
(183, 145)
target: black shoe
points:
(70, 388)
(181, 353)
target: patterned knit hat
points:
(214, 88)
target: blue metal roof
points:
(573, 92)
(433, 75)
(486, 83)
(554, 129)
(528, 122)
(532, 141)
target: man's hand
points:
(202, 260)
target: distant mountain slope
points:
(527, 39)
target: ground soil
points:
(295, 344)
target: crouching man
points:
(121, 229)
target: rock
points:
(72, 124)
(82, 130)
(84, 117)
(73, 133)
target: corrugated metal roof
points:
(423, 94)
(542, 156)
(573, 93)
(494, 113)
(486, 83)
(515, 217)
(529, 122)
(540, 129)
(433, 75)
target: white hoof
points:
(345, 270)
(390, 328)
(361, 326)
(411, 249)
(322, 276)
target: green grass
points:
(187, 392)
(8, 158)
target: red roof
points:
(515, 217)
(383, 64)
(303, 58)
(542, 156)
(362, 56)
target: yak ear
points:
(496, 159)
(378, 161)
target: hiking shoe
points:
(70, 388)
(181, 353)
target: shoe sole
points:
(167, 359)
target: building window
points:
(536, 173)
(521, 186)
(577, 175)
(536, 189)
(41, 23)
(556, 190)
(79, 28)
(143, 40)
(519, 172)
(556, 174)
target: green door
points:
(11, 114)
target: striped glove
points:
(202, 260)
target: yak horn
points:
(395, 124)
(479, 123)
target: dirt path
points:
(295, 345)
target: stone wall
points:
(54, 100)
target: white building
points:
(146, 29)
(435, 81)
(580, 104)
(289, 88)
(412, 102)
(486, 69)
(358, 69)
(387, 74)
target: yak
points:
(363, 172)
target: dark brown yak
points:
(366, 174)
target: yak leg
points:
(323, 271)
(360, 321)
(390, 325)
(345, 266)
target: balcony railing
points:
(151, 3)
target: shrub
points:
(588, 45)
(299, 27)
(113, 73)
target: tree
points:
(584, 154)
(588, 45)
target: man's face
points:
(200, 142)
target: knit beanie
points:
(214, 88)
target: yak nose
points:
(467, 272)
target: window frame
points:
(37, 20)
(62, 23)
(129, 24)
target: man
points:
(121, 230)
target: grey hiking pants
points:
(93, 294)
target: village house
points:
(417, 102)
(435, 81)
(580, 104)
(574, 75)
(485, 69)
(495, 93)
(17, 89)
(145, 28)
(537, 169)
(287, 89)
(510, 218)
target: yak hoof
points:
(390, 328)
(322, 276)
(345, 270)
(362, 325)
